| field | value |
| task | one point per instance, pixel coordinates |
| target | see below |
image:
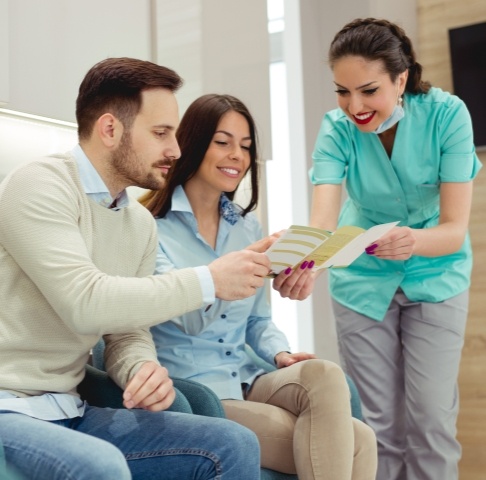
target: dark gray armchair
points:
(191, 397)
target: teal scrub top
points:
(433, 144)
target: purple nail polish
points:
(311, 264)
(371, 248)
(304, 264)
(287, 271)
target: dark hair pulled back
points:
(375, 39)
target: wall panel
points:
(435, 17)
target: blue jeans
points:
(109, 444)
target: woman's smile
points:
(364, 118)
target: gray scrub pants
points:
(406, 370)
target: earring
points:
(400, 101)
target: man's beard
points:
(127, 164)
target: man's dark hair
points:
(114, 86)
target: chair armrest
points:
(267, 474)
(356, 410)
(3, 466)
(99, 390)
(202, 399)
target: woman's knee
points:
(322, 374)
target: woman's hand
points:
(296, 284)
(285, 359)
(443, 239)
(397, 244)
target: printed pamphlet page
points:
(327, 249)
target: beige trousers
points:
(302, 417)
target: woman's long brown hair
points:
(194, 135)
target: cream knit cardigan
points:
(72, 271)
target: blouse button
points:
(228, 353)
(220, 340)
(223, 316)
(234, 374)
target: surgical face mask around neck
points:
(397, 114)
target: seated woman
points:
(301, 413)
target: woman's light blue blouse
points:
(208, 345)
(433, 144)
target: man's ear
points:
(109, 129)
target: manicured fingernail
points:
(304, 264)
(311, 264)
(288, 270)
(371, 248)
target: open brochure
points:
(327, 249)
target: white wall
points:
(52, 44)
(22, 139)
(4, 53)
(219, 46)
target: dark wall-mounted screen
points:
(468, 57)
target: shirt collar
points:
(227, 209)
(180, 202)
(93, 184)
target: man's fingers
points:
(162, 404)
(161, 398)
(133, 387)
(237, 274)
(262, 245)
(150, 386)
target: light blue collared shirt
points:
(208, 345)
(93, 184)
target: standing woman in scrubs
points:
(406, 152)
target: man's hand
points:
(237, 275)
(285, 359)
(296, 284)
(265, 243)
(150, 388)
